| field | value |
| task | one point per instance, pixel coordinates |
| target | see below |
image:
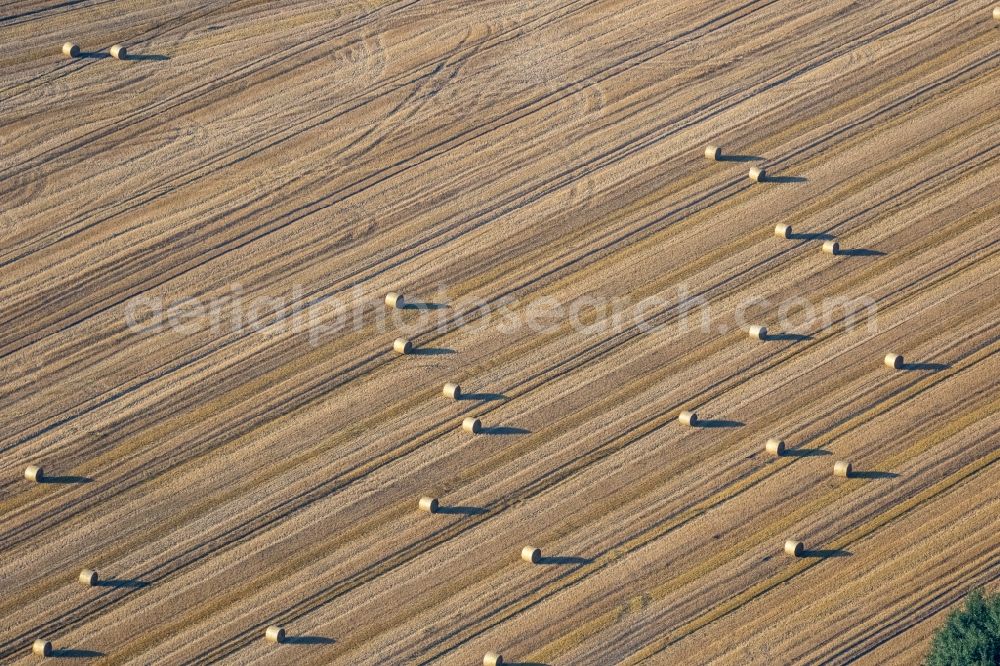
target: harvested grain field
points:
(196, 242)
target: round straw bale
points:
(996, 13)
(757, 174)
(119, 52)
(34, 473)
(394, 300)
(429, 504)
(71, 50)
(783, 230)
(472, 425)
(688, 418)
(274, 634)
(758, 332)
(531, 554)
(842, 469)
(712, 152)
(775, 447)
(894, 361)
(793, 548)
(42, 648)
(452, 390)
(88, 577)
(493, 659)
(831, 247)
(402, 346)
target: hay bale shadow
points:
(426, 306)
(805, 453)
(926, 367)
(66, 479)
(431, 351)
(789, 337)
(308, 640)
(505, 430)
(150, 57)
(825, 554)
(71, 653)
(462, 510)
(718, 423)
(873, 475)
(564, 559)
(808, 236)
(120, 583)
(483, 397)
(861, 252)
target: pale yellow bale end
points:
(793, 548)
(894, 361)
(842, 469)
(775, 447)
(493, 659)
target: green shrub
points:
(970, 636)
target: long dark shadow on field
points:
(718, 423)
(874, 475)
(309, 640)
(483, 397)
(426, 306)
(805, 453)
(565, 559)
(926, 367)
(785, 179)
(809, 236)
(739, 158)
(94, 55)
(70, 653)
(66, 479)
(791, 337)
(861, 252)
(824, 554)
(119, 583)
(462, 510)
(431, 351)
(505, 430)
(150, 57)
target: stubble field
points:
(290, 160)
